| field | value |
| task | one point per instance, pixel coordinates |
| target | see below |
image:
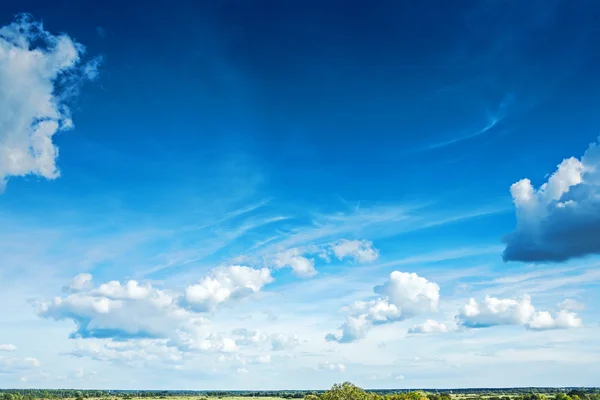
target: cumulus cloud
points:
(561, 219)
(38, 71)
(430, 326)
(225, 284)
(361, 251)
(133, 311)
(403, 296)
(327, 366)
(493, 311)
(8, 347)
(294, 259)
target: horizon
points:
(252, 193)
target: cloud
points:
(403, 296)
(327, 366)
(430, 326)
(570, 305)
(226, 284)
(132, 311)
(8, 347)
(275, 341)
(493, 312)
(8, 365)
(79, 283)
(242, 371)
(361, 251)
(293, 258)
(38, 71)
(560, 220)
(138, 353)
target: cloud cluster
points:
(37, 71)
(403, 296)
(131, 310)
(300, 261)
(561, 219)
(493, 311)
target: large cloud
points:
(403, 296)
(37, 71)
(131, 310)
(493, 311)
(561, 219)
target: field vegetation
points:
(343, 391)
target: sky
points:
(285, 195)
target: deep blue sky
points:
(253, 133)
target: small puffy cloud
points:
(430, 326)
(361, 251)
(242, 371)
(560, 220)
(294, 259)
(400, 378)
(493, 311)
(8, 347)
(37, 71)
(327, 366)
(226, 284)
(78, 283)
(403, 296)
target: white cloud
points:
(242, 371)
(559, 220)
(493, 311)
(8, 347)
(570, 305)
(136, 353)
(327, 366)
(32, 62)
(275, 341)
(226, 284)
(361, 251)
(18, 364)
(80, 282)
(430, 326)
(134, 311)
(293, 258)
(404, 295)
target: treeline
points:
(337, 391)
(348, 391)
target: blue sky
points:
(256, 195)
